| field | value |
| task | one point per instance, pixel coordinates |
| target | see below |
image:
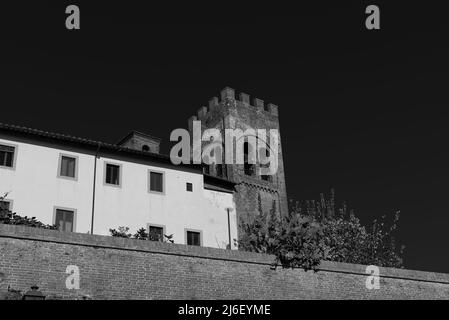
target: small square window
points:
(7, 156)
(156, 181)
(68, 167)
(193, 238)
(156, 233)
(64, 220)
(189, 187)
(113, 174)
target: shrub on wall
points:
(9, 217)
(140, 234)
(121, 232)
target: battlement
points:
(228, 97)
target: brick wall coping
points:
(109, 242)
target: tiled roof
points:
(92, 144)
(84, 142)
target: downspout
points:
(93, 190)
(229, 227)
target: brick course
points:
(117, 268)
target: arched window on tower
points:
(248, 168)
(267, 155)
(219, 170)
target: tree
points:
(350, 241)
(319, 230)
(295, 240)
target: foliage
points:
(296, 241)
(321, 230)
(11, 294)
(348, 239)
(9, 217)
(122, 232)
(140, 234)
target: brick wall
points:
(115, 268)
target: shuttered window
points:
(64, 220)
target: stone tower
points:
(252, 190)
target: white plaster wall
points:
(36, 190)
(217, 203)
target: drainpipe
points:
(229, 227)
(93, 190)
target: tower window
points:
(267, 155)
(266, 178)
(248, 168)
(145, 148)
(219, 170)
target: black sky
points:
(364, 112)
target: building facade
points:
(89, 187)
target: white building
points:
(88, 186)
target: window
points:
(5, 205)
(267, 155)
(219, 170)
(156, 233)
(248, 168)
(67, 167)
(113, 174)
(189, 187)
(156, 181)
(193, 238)
(145, 148)
(7, 156)
(64, 220)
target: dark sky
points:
(364, 112)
